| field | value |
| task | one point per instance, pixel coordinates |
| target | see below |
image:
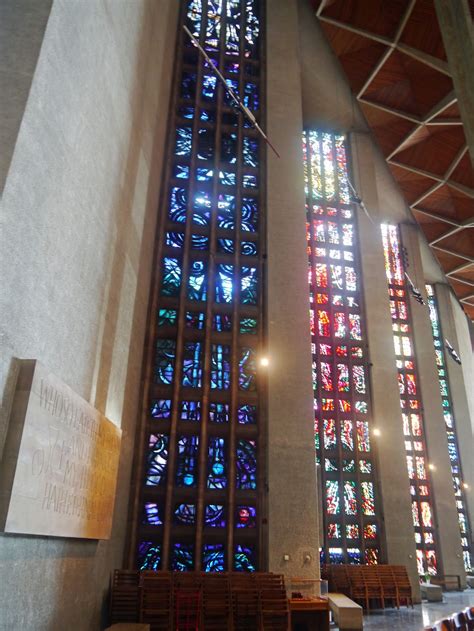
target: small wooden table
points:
(309, 614)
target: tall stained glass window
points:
(202, 460)
(450, 423)
(342, 419)
(411, 405)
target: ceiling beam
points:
(357, 31)
(461, 188)
(374, 71)
(453, 253)
(468, 223)
(467, 299)
(445, 102)
(452, 222)
(445, 121)
(407, 167)
(427, 193)
(425, 58)
(391, 110)
(463, 281)
(459, 268)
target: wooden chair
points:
(357, 588)
(187, 609)
(274, 609)
(403, 584)
(245, 607)
(124, 596)
(156, 604)
(390, 591)
(216, 602)
(340, 579)
(373, 585)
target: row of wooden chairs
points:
(194, 600)
(462, 621)
(384, 584)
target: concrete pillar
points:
(455, 23)
(458, 389)
(22, 26)
(293, 518)
(391, 463)
(449, 540)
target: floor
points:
(422, 615)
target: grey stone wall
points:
(79, 211)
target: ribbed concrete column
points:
(455, 23)
(458, 389)
(391, 462)
(449, 540)
(293, 523)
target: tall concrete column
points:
(458, 389)
(391, 462)
(444, 503)
(455, 24)
(293, 519)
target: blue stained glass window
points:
(246, 517)
(186, 469)
(248, 248)
(197, 287)
(247, 414)
(202, 208)
(199, 242)
(209, 84)
(193, 16)
(182, 557)
(354, 556)
(220, 367)
(205, 144)
(174, 239)
(195, 320)
(229, 147)
(164, 361)
(171, 277)
(224, 282)
(248, 286)
(181, 171)
(153, 514)
(185, 514)
(203, 174)
(250, 151)
(183, 141)
(244, 559)
(226, 211)
(149, 555)
(167, 317)
(249, 219)
(161, 408)
(214, 516)
(252, 29)
(186, 112)
(190, 410)
(249, 181)
(219, 412)
(225, 245)
(157, 459)
(246, 464)
(217, 475)
(247, 370)
(188, 85)
(222, 322)
(177, 204)
(232, 32)
(251, 99)
(227, 178)
(213, 557)
(192, 365)
(336, 555)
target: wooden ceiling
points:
(393, 55)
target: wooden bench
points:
(432, 593)
(347, 613)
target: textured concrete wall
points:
(79, 210)
(22, 25)
(444, 502)
(293, 523)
